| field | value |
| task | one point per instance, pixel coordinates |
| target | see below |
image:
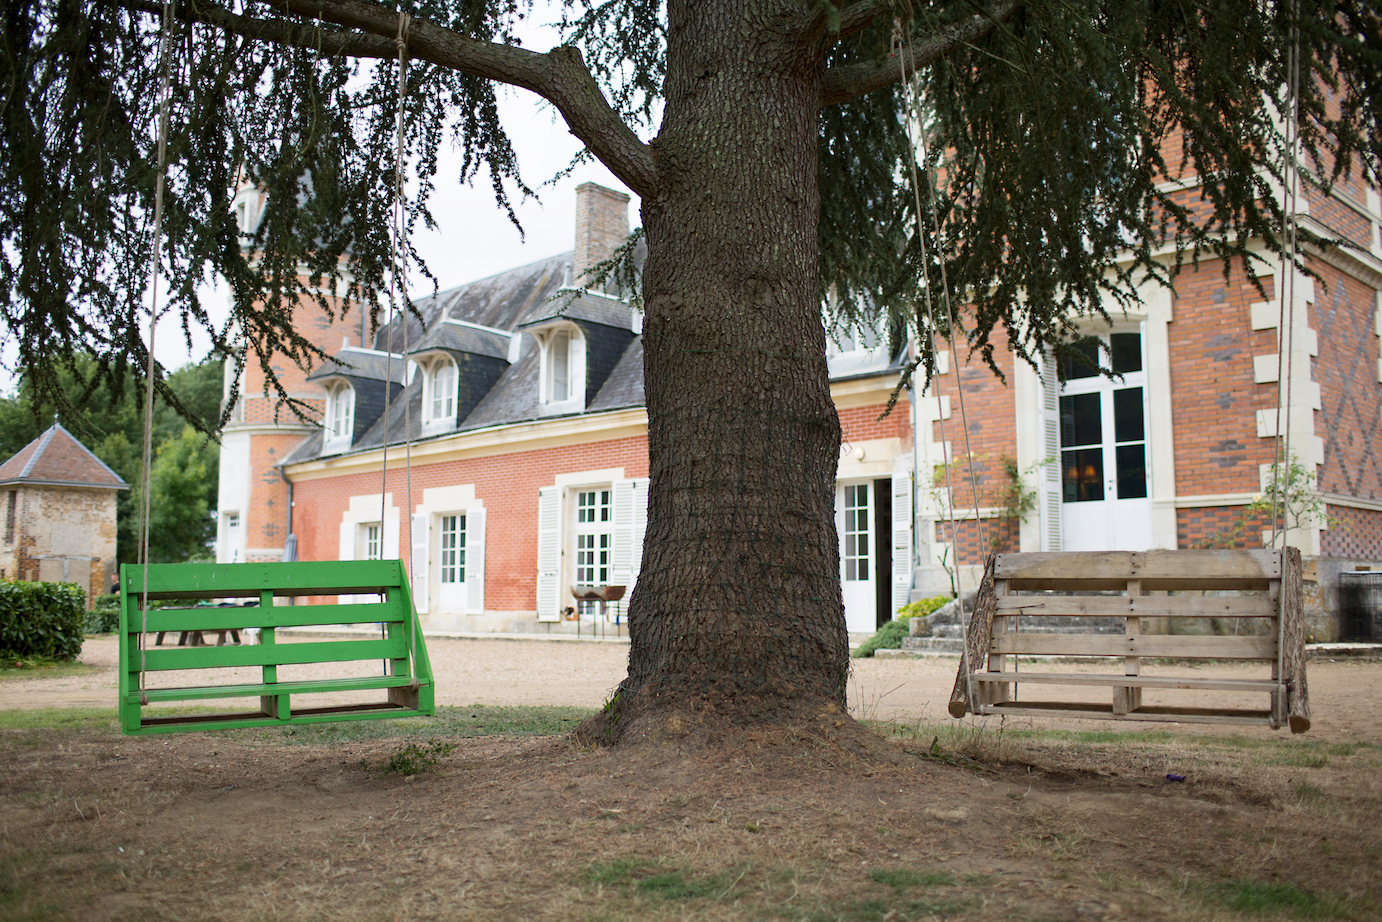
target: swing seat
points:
(244, 671)
(1042, 605)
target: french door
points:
(1103, 446)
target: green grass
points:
(656, 880)
(476, 720)
(903, 879)
(1284, 900)
(14, 668)
(60, 719)
(464, 722)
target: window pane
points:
(1082, 361)
(1127, 415)
(1132, 471)
(561, 344)
(1127, 352)
(1082, 475)
(1080, 421)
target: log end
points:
(1298, 723)
(957, 709)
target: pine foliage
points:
(1046, 136)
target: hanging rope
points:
(397, 292)
(902, 50)
(1286, 289)
(146, 474)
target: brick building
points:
(1171, 453)
(59, 507)
(522, 411)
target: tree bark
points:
(737, 614)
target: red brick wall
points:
(1350, 396)
(862, 423)
(991, 409)
(1214, 400)
(506, 484)
(1355, 534)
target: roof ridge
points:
(44, 441)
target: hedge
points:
(41, 619)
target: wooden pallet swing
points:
(247, 595)
(1033, 605)
(254, 591)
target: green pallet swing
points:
(247, 595)
(238, 599)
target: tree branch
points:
(559, 76)
(842, 84)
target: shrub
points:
(104, 617)
(921, 607)
(41, 619)
(889, 636)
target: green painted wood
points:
(239, 618)
(247, 580)
(309, 686)
(160, 659)
(402, 649)
(173, 724)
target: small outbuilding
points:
(59, 507)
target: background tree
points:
(776, 128)
(112, 426)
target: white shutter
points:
(390, 549)
(475, 560)
(347, 547)
(1050, 485)
(638, 529)
(621, 562)
(421, 546)
(548, 553)
(346, 552)
(902, 539)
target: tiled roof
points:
(351, 362)
(56, 457)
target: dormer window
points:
(563, 369)
(440, 378)
(559, 385)
(340, 415)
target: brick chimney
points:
(602, 224)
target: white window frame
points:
(339, 421)
(563, 348)
(558, 528)
(439, 398)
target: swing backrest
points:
(379, 647)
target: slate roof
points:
(477, 323)
(56, 457)
(353, 362)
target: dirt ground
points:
(974, 822)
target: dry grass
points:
(248, 826)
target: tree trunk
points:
(737, 614)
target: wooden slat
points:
(242, 580)
(1036, 643)
(976, 639)
(278, 654)
(1065, 709)
(1129, 681)
(1162, 606)
(314, 686)
(241, 617)
(1293, 643)
(1223, 569)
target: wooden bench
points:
(1133, 587)
(397, 652)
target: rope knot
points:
(405, 22)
